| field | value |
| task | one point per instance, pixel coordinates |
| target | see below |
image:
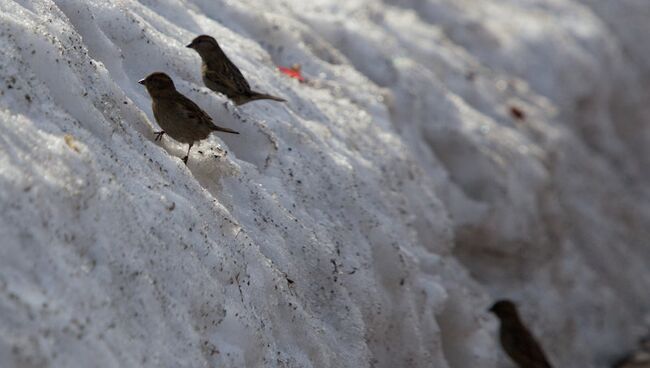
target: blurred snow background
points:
(445, 153)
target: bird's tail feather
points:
(222, 129)
(263, 96)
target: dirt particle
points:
(517, 113)
(70, 141)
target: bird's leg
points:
(188, 153)
(158, 135)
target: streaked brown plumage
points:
(176, 114)
(221, 75)
(516, 340)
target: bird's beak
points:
(189, 45)
(141, 81)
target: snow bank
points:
(444, 154)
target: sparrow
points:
(221, 75)
(516, 339)
(177, 115)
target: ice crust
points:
(444, 154)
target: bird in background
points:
(176, 114)
(516, 339)
(221, 75)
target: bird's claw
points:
(185, 159)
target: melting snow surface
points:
(442, 154)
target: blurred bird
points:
(516, 340)
(176, 114)
(221, 75)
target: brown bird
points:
(221, 75)
(516, 340)
(176, 114)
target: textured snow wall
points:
(444, 154)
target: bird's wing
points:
(529, 346)
(232, 76)
(192, 111)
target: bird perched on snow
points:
(176, 114)
(221, 75)
(516, 340)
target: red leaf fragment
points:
(293, 72)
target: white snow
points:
(368, 222)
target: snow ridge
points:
(441, 155)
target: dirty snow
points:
(443, 154)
